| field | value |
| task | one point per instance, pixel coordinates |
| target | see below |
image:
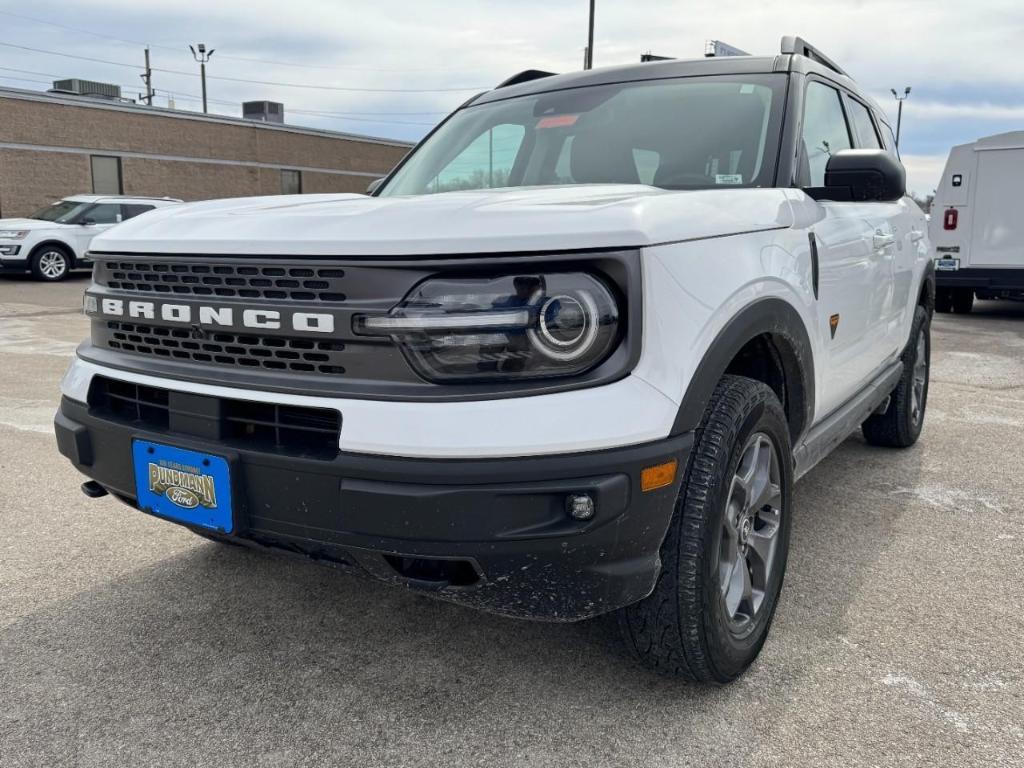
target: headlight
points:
(511, 327)
(13, 234)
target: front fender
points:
(705, 300)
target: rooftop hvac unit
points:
(265, 111)
(87, 88)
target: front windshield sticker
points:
(557, 121)
(728, 178)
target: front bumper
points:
(489, 533)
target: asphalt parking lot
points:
(128, 641)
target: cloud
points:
(962, 65)
(987, 111)
(923, 172)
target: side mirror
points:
(374, 185)
(865, 175)
(87, 222)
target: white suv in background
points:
(55, 239)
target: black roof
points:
(532, 81)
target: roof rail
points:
(800, 47)
(524, 77)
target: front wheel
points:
(50, 263)
(900, 424)
(724, 555)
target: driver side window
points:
(824, 133)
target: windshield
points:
(61, 212)
(685, 133)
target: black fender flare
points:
(780, 321)
(926, 293)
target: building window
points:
(291, 182)
(106, 175)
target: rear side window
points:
(104, 213)
(825, 132)
(863, 125)
(131, 210)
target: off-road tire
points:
(944, 300)
(897, 426)
(681, 628)
(43, 259)
(963, 300)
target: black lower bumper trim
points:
(979, 278)
(490, 533)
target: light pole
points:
(899, 110)
(202, 57)
(588, 62)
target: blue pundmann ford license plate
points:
(182, 485)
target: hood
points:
(485, 221)
(27, 224)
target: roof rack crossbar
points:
(524, 77)
(800, 47)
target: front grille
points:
(290, 283)
(242, 350)
(269, 427)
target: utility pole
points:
(589, 57)
(899, 110)
(202, 57)
(148, 79)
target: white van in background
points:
(977, 224)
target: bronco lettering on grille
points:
(205, 315)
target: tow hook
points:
(93, 490)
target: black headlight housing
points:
(523, 325)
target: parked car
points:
(55, 239)
(568, 360)
(978, 227)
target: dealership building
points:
(58, 144)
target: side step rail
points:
(844, 421)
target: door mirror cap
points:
(374, 185)
(87, 222)
(865, 175)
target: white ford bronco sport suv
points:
(56, 239)
(567, 360)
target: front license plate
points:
(947, 265)
(186, 486)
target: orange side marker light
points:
(658, 476)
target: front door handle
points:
(881, 241)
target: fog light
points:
(580, 506)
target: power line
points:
(246, 80)
(182, 94)
(72, 56)
(323, 87)
(356, 117)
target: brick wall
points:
(30, 179)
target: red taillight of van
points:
(950, 218)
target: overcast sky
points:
(408, 62)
